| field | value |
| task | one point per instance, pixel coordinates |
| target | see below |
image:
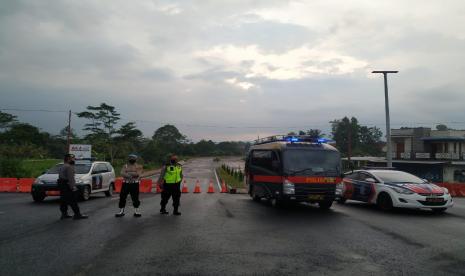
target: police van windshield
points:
(78, 168)
(312, 162)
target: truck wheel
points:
(110, 190)
(38, 197)
(325, 205)
(384, 202)
(85, 193)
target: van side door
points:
(97, 176)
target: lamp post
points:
(388, 119)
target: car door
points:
(348, 190)
(97, 176)
(364, 186)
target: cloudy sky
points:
(234, 69)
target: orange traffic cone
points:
(223, 188)
(211, 190)
(184, 188)
(197, 188)
(159, 190)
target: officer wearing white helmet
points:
(131, 173)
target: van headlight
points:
(446, 191)
(38, 181)
(288, 187)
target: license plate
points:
(316, 197)
(434, 199)
(52, 193)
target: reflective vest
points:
(172, 174)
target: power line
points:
(34, 110)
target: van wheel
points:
(38, 197)
(384, 202)
(325, 205)
(341, 200)
(254, 196)
(111, 188)
(85, 193)
(276, 203)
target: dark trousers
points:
(129, 188)
(68, 197)
(171, 190)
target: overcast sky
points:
(233, 70)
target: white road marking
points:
(217, 180)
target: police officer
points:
(68, 190)
(131, 173)
(171, 178)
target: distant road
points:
(227, 234)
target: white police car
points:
(393, 188)
(91, 177)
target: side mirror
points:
(426, 180)
(371, 180)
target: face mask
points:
(71, 162)
(132, 161)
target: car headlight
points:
(81, 181)
(288, 187)
(446, 191)
(402, 190)
(38, 181)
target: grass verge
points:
(230, 180)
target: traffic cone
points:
(211, 190)
(184, 188)
(223, 187)
(158, 190)
(197, 188)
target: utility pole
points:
(388, 119)
(68, 142)
(349, 139)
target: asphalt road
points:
(227, 234)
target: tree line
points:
(110, 140)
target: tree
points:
(370, 141)
(314, 133)
(129, 139)
(165, 140)
(6, 120)
(102, 126)
(342, 130)
(442, 127)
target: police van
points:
(285, 169)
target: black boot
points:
(163, 211)
(80, 216)
(176, 212)
(65, 216)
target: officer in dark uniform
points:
(131, 173)
(68, 190)
(171, 178)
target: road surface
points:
(227, 234)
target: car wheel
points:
(341, 200)
(110, 190)
(439, 210)
(85, 193)
(384, 202)
(38, 197)
(325, 205)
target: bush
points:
(13, 168)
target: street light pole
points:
(388, 119)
